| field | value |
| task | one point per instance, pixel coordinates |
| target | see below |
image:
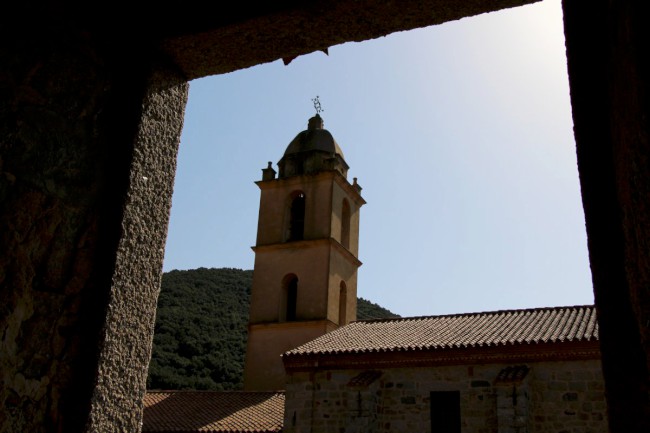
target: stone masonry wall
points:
(568, 398)
(555, 397)
(513, 407)
(89, 136)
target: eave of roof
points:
(546, 352)
(531, 334)
(213, 412)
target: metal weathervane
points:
(317, 105)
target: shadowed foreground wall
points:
(89, 140)
(607, 46)
(90, 119)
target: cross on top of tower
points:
(317, 105)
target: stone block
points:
(570, 396)
(577, 386)
(558, 386)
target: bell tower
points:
(305, 274)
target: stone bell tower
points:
(305, 275)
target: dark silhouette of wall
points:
(608, 78)
(91, 110)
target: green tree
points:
(201, 329)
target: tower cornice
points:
(309, 243)
(297, 324)
(352, 190)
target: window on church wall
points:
(292, 299)
(345, 224)
(297, 218)
(289, 302)
(343, 303)
(445, 411)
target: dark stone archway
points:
(90, 120)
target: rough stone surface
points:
(82, 234)
(127, 334)
(56, 239)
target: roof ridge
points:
(478, 313)
(514, 327)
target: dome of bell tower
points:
(312, 151)
(315, 137)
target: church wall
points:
(338, 195)
(275, 201)
(571, 395)
(273, 207)
(342, 270)
(555, 397)
(354, 234)
(263, 369)
(318, 211)
(306, 261)
(337, 223)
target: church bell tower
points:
(305, 275)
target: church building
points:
(311, 367)
(533, 370)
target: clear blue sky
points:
(461, 137)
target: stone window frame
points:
(288, 308)
(296, 216)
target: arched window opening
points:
(297, 218)
(343, 303)
(292, 299)
(289, 304)
(345, 224)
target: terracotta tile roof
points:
(213, 411)
(458, 331)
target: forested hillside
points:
(200, 334)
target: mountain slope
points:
(200, 334)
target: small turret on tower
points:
(268, 173)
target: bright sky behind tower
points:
(460, 136)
